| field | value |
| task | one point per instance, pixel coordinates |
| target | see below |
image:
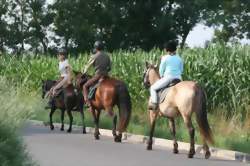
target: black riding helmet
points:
(171, 46)
(98, 45)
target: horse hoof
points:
(191, 154)
(149, 147)
(114, 133)
(207, 155)
(52, 127)
(175, 151)
(118, 139)
(69, 130)
(97, 137)
(62, 129)
(84, 131)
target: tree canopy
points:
(37, 26)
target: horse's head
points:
(46, 86)
(150, 75)
(81, 79)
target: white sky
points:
(199, 35)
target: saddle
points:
(162, 93)
(92, 89)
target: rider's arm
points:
(90, 62)
(181, 66)
(162, 67)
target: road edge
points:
(133, 138)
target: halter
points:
(146, 78)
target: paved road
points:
(62, 149)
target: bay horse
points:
(69, 100)
(109, 93)
(182, 99)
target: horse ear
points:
(155, 66)
(147, 64)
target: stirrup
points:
(153, 106)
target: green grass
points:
(223, 71)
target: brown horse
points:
(182, 99)
(69, 100)
(109, 93)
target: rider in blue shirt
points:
(171, 67)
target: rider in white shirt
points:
(65, 72)
(65, 76)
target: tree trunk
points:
(45, 48)
(184, 37)
(22, 25)
(66, 43)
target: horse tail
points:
(125, 106)
(201, 117)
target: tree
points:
(18, 13)
(231, 19)
(41, 18)
(3, 24)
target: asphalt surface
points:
(56, 148)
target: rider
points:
(102, 64)
(171, 67)
(65, 75)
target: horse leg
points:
(153, 116)
(114, 126)
(52, 110)
(97, 133)
(190, 127)
(117, 138)
(62, 119)
(96, 116)
(111, 114)
(172, 129)
(206, 149)
(70, 120)
(83, 124)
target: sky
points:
(199, 35)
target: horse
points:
(109, 93)
(182, 99)
(68, 100)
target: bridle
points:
(146, 78)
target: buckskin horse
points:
(68, 100)
(109, 93)
(182, 99)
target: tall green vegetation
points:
(15, 109)
(222, 71)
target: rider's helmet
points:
(98, 45)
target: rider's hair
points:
(171, 46)
(63, 52)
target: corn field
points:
(224, 73)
